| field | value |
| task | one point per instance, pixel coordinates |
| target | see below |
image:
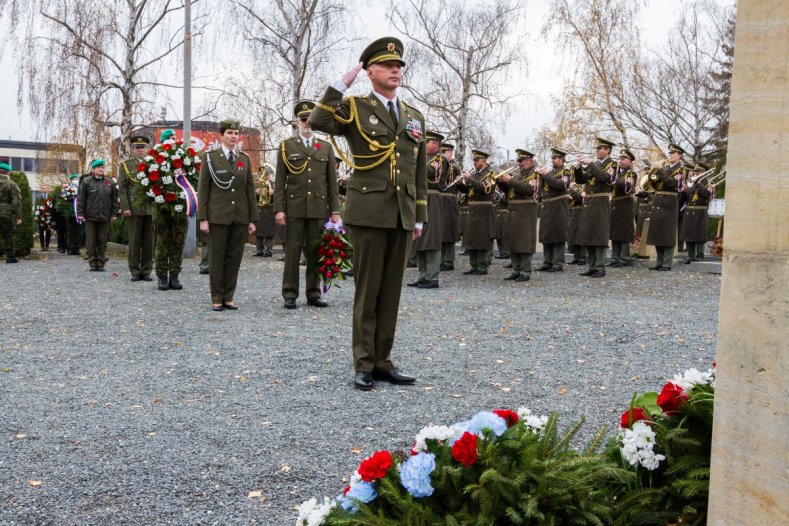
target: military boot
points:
(174, 283)
(164, 284)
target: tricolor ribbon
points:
(74, 204)
(191, 200)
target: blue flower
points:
(360, 492)
(487, 420)
(415, 474)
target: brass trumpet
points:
(265, 190)
(693, 180)
(492, 178)
(654, 168)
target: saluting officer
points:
(10, 212)
(698, 192)
(139, 222)
(305, 193)
(554, 211)
(386, 203)
(521, 222)
(623, 225)
(593, 234)
(450, 233)
(664, 214)
(227, 211)
(479, 230)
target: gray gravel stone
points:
(135, 406)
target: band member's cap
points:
(303, 107)
(96, 163)
(479, 154)
(556, 152)
(603, 143)
(139, 139)
(229, 124)
(673, 148)
(627, 153)
(433, 136)
(445, 146)
(523, 154)
(382, 50)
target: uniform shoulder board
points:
(418, 113)
(245, 154)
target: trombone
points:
(718, 179)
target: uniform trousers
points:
(140, 258)
(379, 259)
(553, 255)
(302, 232)
(620, 251)
(665, 256)
(44, 236)
(429, 264)
(264, 245)
(448, 253)
(521, 263)
(205, 263)
(96, 234)
(695, 250)
(227, 250)
(595, 257)
(480, 259)
(7, 230)
(170, 239)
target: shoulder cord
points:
(223, 185)
(292, 168)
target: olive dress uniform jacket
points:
(394, 192)
(480, 225)
(432, 235)
(664, 212)
(126, 175)
(554, 208)
(596, 216)
(234, 205)
(623, 225)
(694, 225)
(521, 221)
(306, 181)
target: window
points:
(30, 164)
(16, 164)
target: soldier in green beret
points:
(97, 207)
(305, 193)
(10, 212)
(386, 203)
(623, 225)
(479, 230)
(227, 211)
(139, 222)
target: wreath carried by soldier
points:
(43, 213)
(67, 202)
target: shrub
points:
(23, 238)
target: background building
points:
(42, 162)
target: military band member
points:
(521, 223)
(386, 203)
(698, 192)
(644, 197)
(428, 246)
(139, 222)
(449, 210)
(227, 211)
(554, 211)
(664, 212)
(264, 234)
(597, 177)
(575, 191)
(305, 193)
(10, 212)
(501, 202)
(479, 230)
(623, 226)
(97, 207)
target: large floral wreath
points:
(67, 203)
(166, 176)
(43, 214)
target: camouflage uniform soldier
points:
(10, 212)
(170, 239)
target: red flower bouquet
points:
(375, 466)
(166, 176)
(464, 450)
(335, 255)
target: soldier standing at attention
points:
(170, 236)
(663, 214)
(264, 234)
(97, 206)
(521, 227)
(227, 211)
(139, 222)
(386, 203)
(576, 209)
(305, 192)
(480, 226)
(554, 212)
(10, 212)
(698, 193)
(623, 225)
(450, 210)
(594, 230)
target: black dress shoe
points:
(267, 255)
(257, 254)
(12, 259)
(480, 272)
(99, 269)
(469, 272)
(426, 284)
(508, 266)
(502, 256)
(217, 308)
(146, 277)
(612, 264)
(135, 277)
(544, 268)
(512, 277)
(363, 381)
(523, 277)
(230, 306)
(290, 303)
(281, 258)
(664, 269)
(93, 268)
(202, 271)
(174, 283)
(597, 274)
(410, 265)
(446, 266)
(656, 267)
(317, 302)
(164, 283)
(587, 273)
(688, 261)
(576, 261)
(415, 283)
(394, 377)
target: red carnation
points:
(509, 416)
(152, 152)
(239, 165)
(169, 197)
(153, 176)
(638, 413)
(343, 255)
(329, 275)
(167, 147)
(160, 159)
(178, 163)
(156, 189)
(464, 450)
(179, 143)
(191, 152)
(375, 466)
(671, 398)
(141, 167)
(317, 146)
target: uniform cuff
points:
(419, 225)
(339, 85)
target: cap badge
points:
(390, 46)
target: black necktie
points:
(231, 156)
(392, 113)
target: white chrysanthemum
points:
(179, 208)
(154, 167)
(440, 433)
(165, 166)
(148, 158)
(691, 378)
(304, 511)
(182, 195)
(637, 446)
(150, 193)
(649, 459)
(167, 179)
(179, 172)
(144, 181)
(523, 412)
(313, 514)
(187, 161)
(159, 199)
(535, 423)
(176, 155)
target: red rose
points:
(509, 416)
(464, 450)
(343, 255)
(153, 176)
(167, 147)
(178, 163)
(329, 275)
(191, 151)
(141, 167)
(638, 414)
(156, 189)
(335, 269)
(671, 398)
(169, 197)
(180, 143)
(160, 159)
(375, 466)
(152, 152)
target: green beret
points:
(603, 143)
(673, 148)
(72, 176)
(4, 166)
(303, 107)
(96, 163)
(229, 124)
(139, 139)
(627, 153)
(523, 154)
(166, 134)
(445, 146)
(479, 154)
(382, 50)
(556, 152)
(433, 136)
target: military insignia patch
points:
(373, 119)
(414, 127)
(373, 103)
(304, 106)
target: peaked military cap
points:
(479, 154)
(627, 153)
(303, 107)
(229, 124)
(4, 166)
(382, 50)
(523, 154)
(700, 167)
(139, 139)
(445, 146)
(603, 143)
(556, 152)
(166, 134)
(96, 163)
(433, 136)
(673, 148)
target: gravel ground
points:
(121, 404)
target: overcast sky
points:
(543, 78)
